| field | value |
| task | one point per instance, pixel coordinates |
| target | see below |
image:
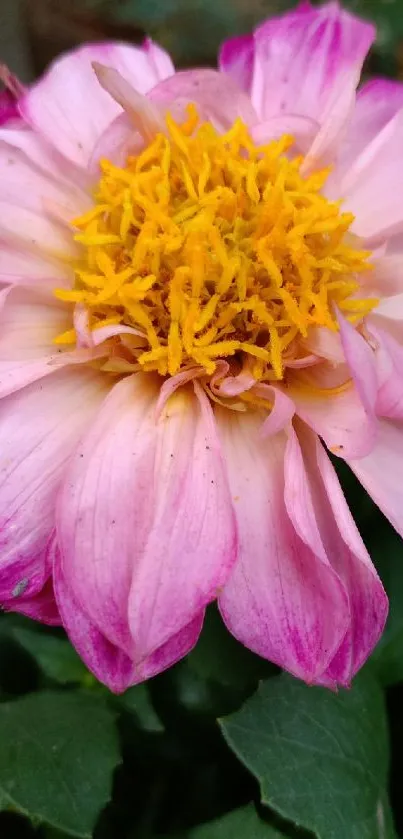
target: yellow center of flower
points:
(210, 247)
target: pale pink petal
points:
(381, 471)
(302, 362)
(21, 267)
(319, 512)
(115, 144)
(387, 277)
(29, 323)
(371, 188)
(156, 540)
(146, 118)
(325, 344)
(281, 413)
(173, 383)
(361, 361)
(17, 374)
(302, 129)
(107, 662)
(217, 97)
(39, 428)
(388, 315)
(282, 600)
(377, 102)
(301, 55)
(24, 185)
(334, 122)
(340, 419)
(159, 59)
(43, 155)
(236, 58)
(69, 108)
(33, 232)
(389, 370)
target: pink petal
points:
(159, 59)
(57, 107)
(40, 607)
(325, 344)
(387, 277)
(377, 102)
(389, 371)
(8, 107)
(115, 144)
(43, 155)
(9, 113)
(300, 57)
(145, 116)
(319, 512)
(17, 374)
(107, 662)
(334, 121)
(282, 600)
(390, 311)
(39, 427)
(24, 185)
(381, 472)
(217, 97)
(33, 232)
(303, 129)
(281, 413)
(361, 361)
(372, 186)
(29, 324)
(341, 420)
(145, 524)
(237, 59)
(19, 266)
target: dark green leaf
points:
(386, 549)
(58, 752)
(240, 824)
(215, 677)
(219, 658)
(321, 758)
(137, 701)
(55, 656)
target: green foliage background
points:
(222, 746)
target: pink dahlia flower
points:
(202, 289)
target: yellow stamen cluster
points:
(211, 246)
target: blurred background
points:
(32, 32)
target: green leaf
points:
(58, 752)
(220, 658)
(55, 656)
(386, 549)
(215, 678)
(240, 824)
(137, 701)
(321, 758)
(4, 802)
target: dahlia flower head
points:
(202, 293)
